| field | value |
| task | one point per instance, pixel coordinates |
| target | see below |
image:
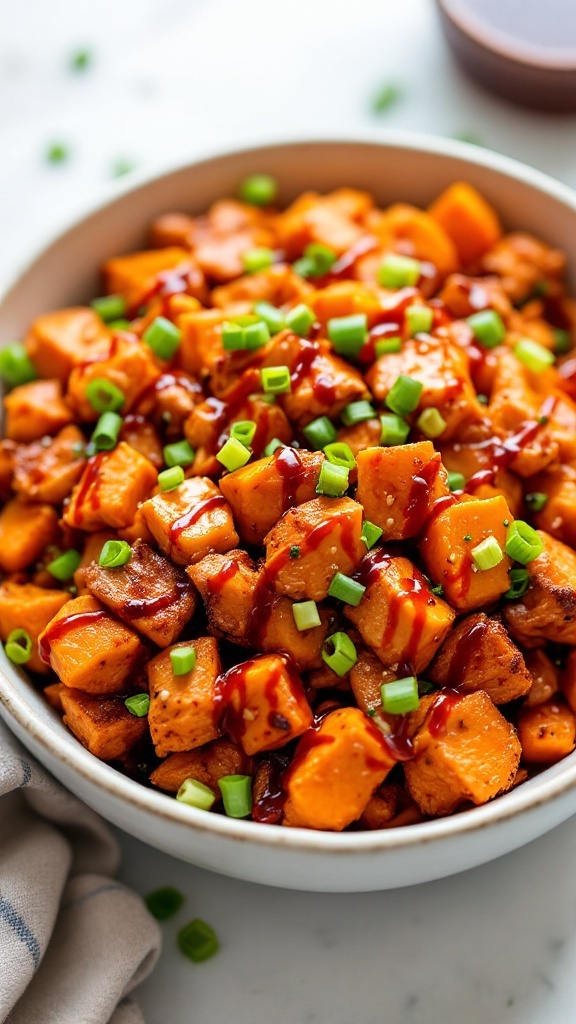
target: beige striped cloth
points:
(74, 942)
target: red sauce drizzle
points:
(419, 497)
(231, 687)
(464, 652)
(398, 743)
(88, 481)
(142, 609)
(227, 572)
(504, 452)
(306, 356)
(413, 589)
(345, 264)
(63, 626)
(289, 465)
(269, 807)
(167, 283)
(443, 705)
(193, 515)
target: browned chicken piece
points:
(332, 220)
(190, 521)
(110, 490)
(463, 296)
(547, 612)
(366, 679)
(476, 457)
(208, 427)
(547, 732)
(465, 751)
(220, 239)
(398, 487)
(478, 654)
(58, 341)
(545, 678)
(183, 712)
(48, 472)
(206, 764)
(523, 264)
(515, 402)
(103, 724)
(35, 410)
(171, 229)
(143, 437)
(170, 401)
(148, 593)
(361, 435)
(279, 285)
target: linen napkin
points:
(74, 942)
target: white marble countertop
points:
(169, 79)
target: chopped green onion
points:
(18, 646)
(523, 543)
(562, 341)
(138, 705)
(487, 554)
(232, 337)
(259, 258)
(384, 346)
(346, 589)
(419, 319)
(183, 660)
(340, 454)
(400, 696)
(304, 267)
(273, 446)
(394, 431)
(404, 395)
(233, 454)
(487, 328)
(258, 189)
(295, 551)
(243, 430)
(438, 590)
(163, 337)
(80, 60)
(339, 653)
(106, 431)
(398, 271)
(115, 553)
(109, 307)
(15, 366)
(300, 319)
(237, 795)
(472, 138)
(57, 153)
(275, 380)
(357, 412)
(348, 334)
(519, 583)
(431, 423)
(122, 166)
(333, 480)
(104, 396)
(533, 355)
(319, 259)
(320, 432)
(456, 481)
(198, 941)
(119, 325)
(272, 317)
(164, 903)
(537, 500)
(64, 567)
(306, 615)
(196, 794)
(256, 335)
(370, 533)
(171, 478)
(386, 97)
(180, 453)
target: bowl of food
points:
(288, 475)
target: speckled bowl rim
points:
(520, 52)
(551, 784)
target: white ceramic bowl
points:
(399, 167)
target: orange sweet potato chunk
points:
(102, 723)
(478, 654)
(469, 754)
(36, 409)
(558, 517)
(182, 708)
(110, 490)
(547, 611)
(421, 236)
(205, 764)
(61, 340)
(398, 486)
(263, 703)
(335, 772)
(25, 531)
(133, 276)
(398, 616)
(88, 650)
(446, 545)
(129, 366)
(468, 220)
(545, 678)
(190, 521)
(326, 532)
(547, 732)
(48, 473)
(25, 606)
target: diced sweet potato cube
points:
(182, 708)
(53, 694)
(148, 593)
(102, 723)
(111, 488)
(471, 458)
(134, 275)
(220, 238)
(329, 219)
(137, 530)
(201, 342)
(398, 486)
(61, 340)
(91, 553)
(344, 298)
(468, 220)
(398, 616)
(545, 679)
(143, 437)
(171, 229)
(558, 517)
(260, 492)
(88, 649)
(446, 549)
(24, 606)
(547, 612)
(547, 732)
(465, 750)
(361, 435)
(129, 366)
(206, 764)
(48, 473)
(420, 235)
(335, 772)
(36, 409)
(25, 531)
(478, 654)
(278, 284)
(263, 704)
(190, 521)
(515, 399)
(327, 533)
